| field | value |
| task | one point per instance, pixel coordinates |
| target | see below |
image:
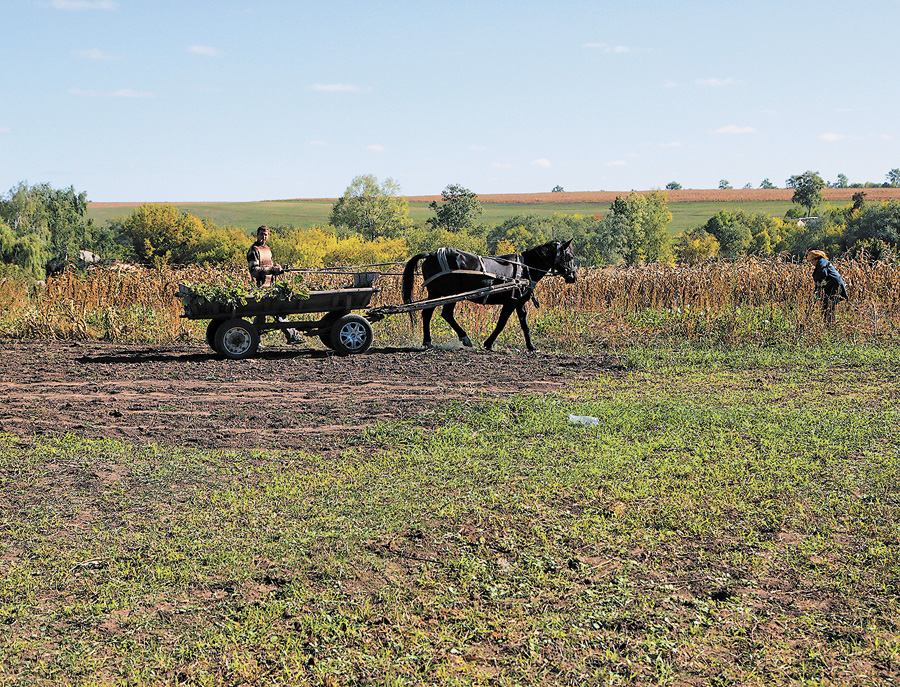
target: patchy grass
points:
(732, 519)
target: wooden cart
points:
(234, 331)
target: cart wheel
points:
(351, 334)
(237, 339)
(211, 329)
(328, 319)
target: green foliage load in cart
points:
(235, 294)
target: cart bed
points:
(338, 300)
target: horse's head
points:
(565, 261)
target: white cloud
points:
(5, 130)
(831, 137)
(717, 83)
(335, 87)
(617, 163)
(670, 84)
(121, 93)
(205, 50)
(477, 149)
(541, 162)
(607, 48)
(501, 165)
(130, 93)
(376, 148)
(673, 144)
(318, 144)
(94, 54)
(84, 4)
(733, 129)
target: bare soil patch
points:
(287, 397)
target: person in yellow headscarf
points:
(830, 286)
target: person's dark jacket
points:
(829, 282)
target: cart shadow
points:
(155, 356)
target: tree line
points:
(370, 223)
(892, 180)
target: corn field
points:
(762, 301)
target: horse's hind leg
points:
(426, 327)
(447, 314)
(501, 323)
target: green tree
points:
(521, 232)
(673, 186)
(646, 218)
(724, 184)
(732, 234)
(807, 190)
(27, 252)
(604, 243)
(874, 222)
(767, 184)
(161, 234)
(45, 223)
(557, 189)
(371, 209)
(842, 181)
(893, 177)
(459, 210)
(55, 216)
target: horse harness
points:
(519, 271)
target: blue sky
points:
(225, 100)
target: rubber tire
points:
(351, 334)
(237, 339)
(211, 329)
(329, 318)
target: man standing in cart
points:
(263, 271)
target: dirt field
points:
(287, 397)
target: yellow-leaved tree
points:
(695, 245)
(302, 247)
(221, 245)
(357, 251)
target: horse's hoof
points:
(427, 346)
(466, 341)
(488, 347)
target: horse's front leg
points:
(426, 327)
(501, 323)
(447, 314)
(523, 320)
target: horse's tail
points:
(409, 275)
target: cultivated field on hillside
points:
(689, 207)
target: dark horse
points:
(449, 272)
